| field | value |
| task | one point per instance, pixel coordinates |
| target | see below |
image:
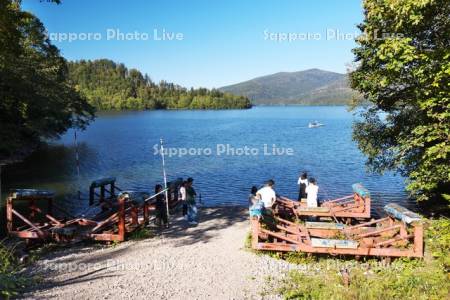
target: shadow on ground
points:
(180, 233)
(210, 221)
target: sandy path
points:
(203, 262)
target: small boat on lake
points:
(315, 124)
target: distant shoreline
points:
(300, 104)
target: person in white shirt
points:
(267, 194)
(312, 190)
(303, 183)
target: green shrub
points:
(10, 280)
(437, 241)
(140, 234)
(401, 280)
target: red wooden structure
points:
(37, 223)
(392, 236)
(114, 215)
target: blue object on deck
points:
(359, 189)
(31, 193)
(103, 181)
(401, 213)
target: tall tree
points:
(403, 70)
(37, 102)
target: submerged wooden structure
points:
(399, 234)
(114, 213)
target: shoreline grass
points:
(371, 278)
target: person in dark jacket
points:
(161, 208)
(302, 183)
(190, 199)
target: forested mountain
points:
(109, 85)
(312, 86)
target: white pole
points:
(78, 163)
(165, 179)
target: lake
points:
(123, 145)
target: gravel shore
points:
(182, 262)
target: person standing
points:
(183, 199)
(267, 195)
(161, 208)
(190, 199)
(312, 190)
(255, 204)
(302, 183)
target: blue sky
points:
(224, 42)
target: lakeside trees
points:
(109, 85)
(37, 102)
(403, 70)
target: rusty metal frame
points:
(120, 216)
(374, 238)
(32, 229)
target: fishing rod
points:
(157, 194)
(165, 179)
(77, 158)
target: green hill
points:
(307, 87)
(111, 86)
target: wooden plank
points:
(376, 232)
(367, 223)
(275, 247)
(279, 236)
(25, 220)
(313, 209)
(338, 199)
(324, 225)
(25, 234)
(47, 215)
(31, 194)
(330, 243)
(391, 241)
(112, 218)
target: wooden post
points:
(134, 215)
(145, 213)
(113, 190)
(418, 239)
(91, 195)
(121, 215)
(403, 231)
(255, 232)
(102, 193)
(9, 214)
(50, 206)
(32, 215)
